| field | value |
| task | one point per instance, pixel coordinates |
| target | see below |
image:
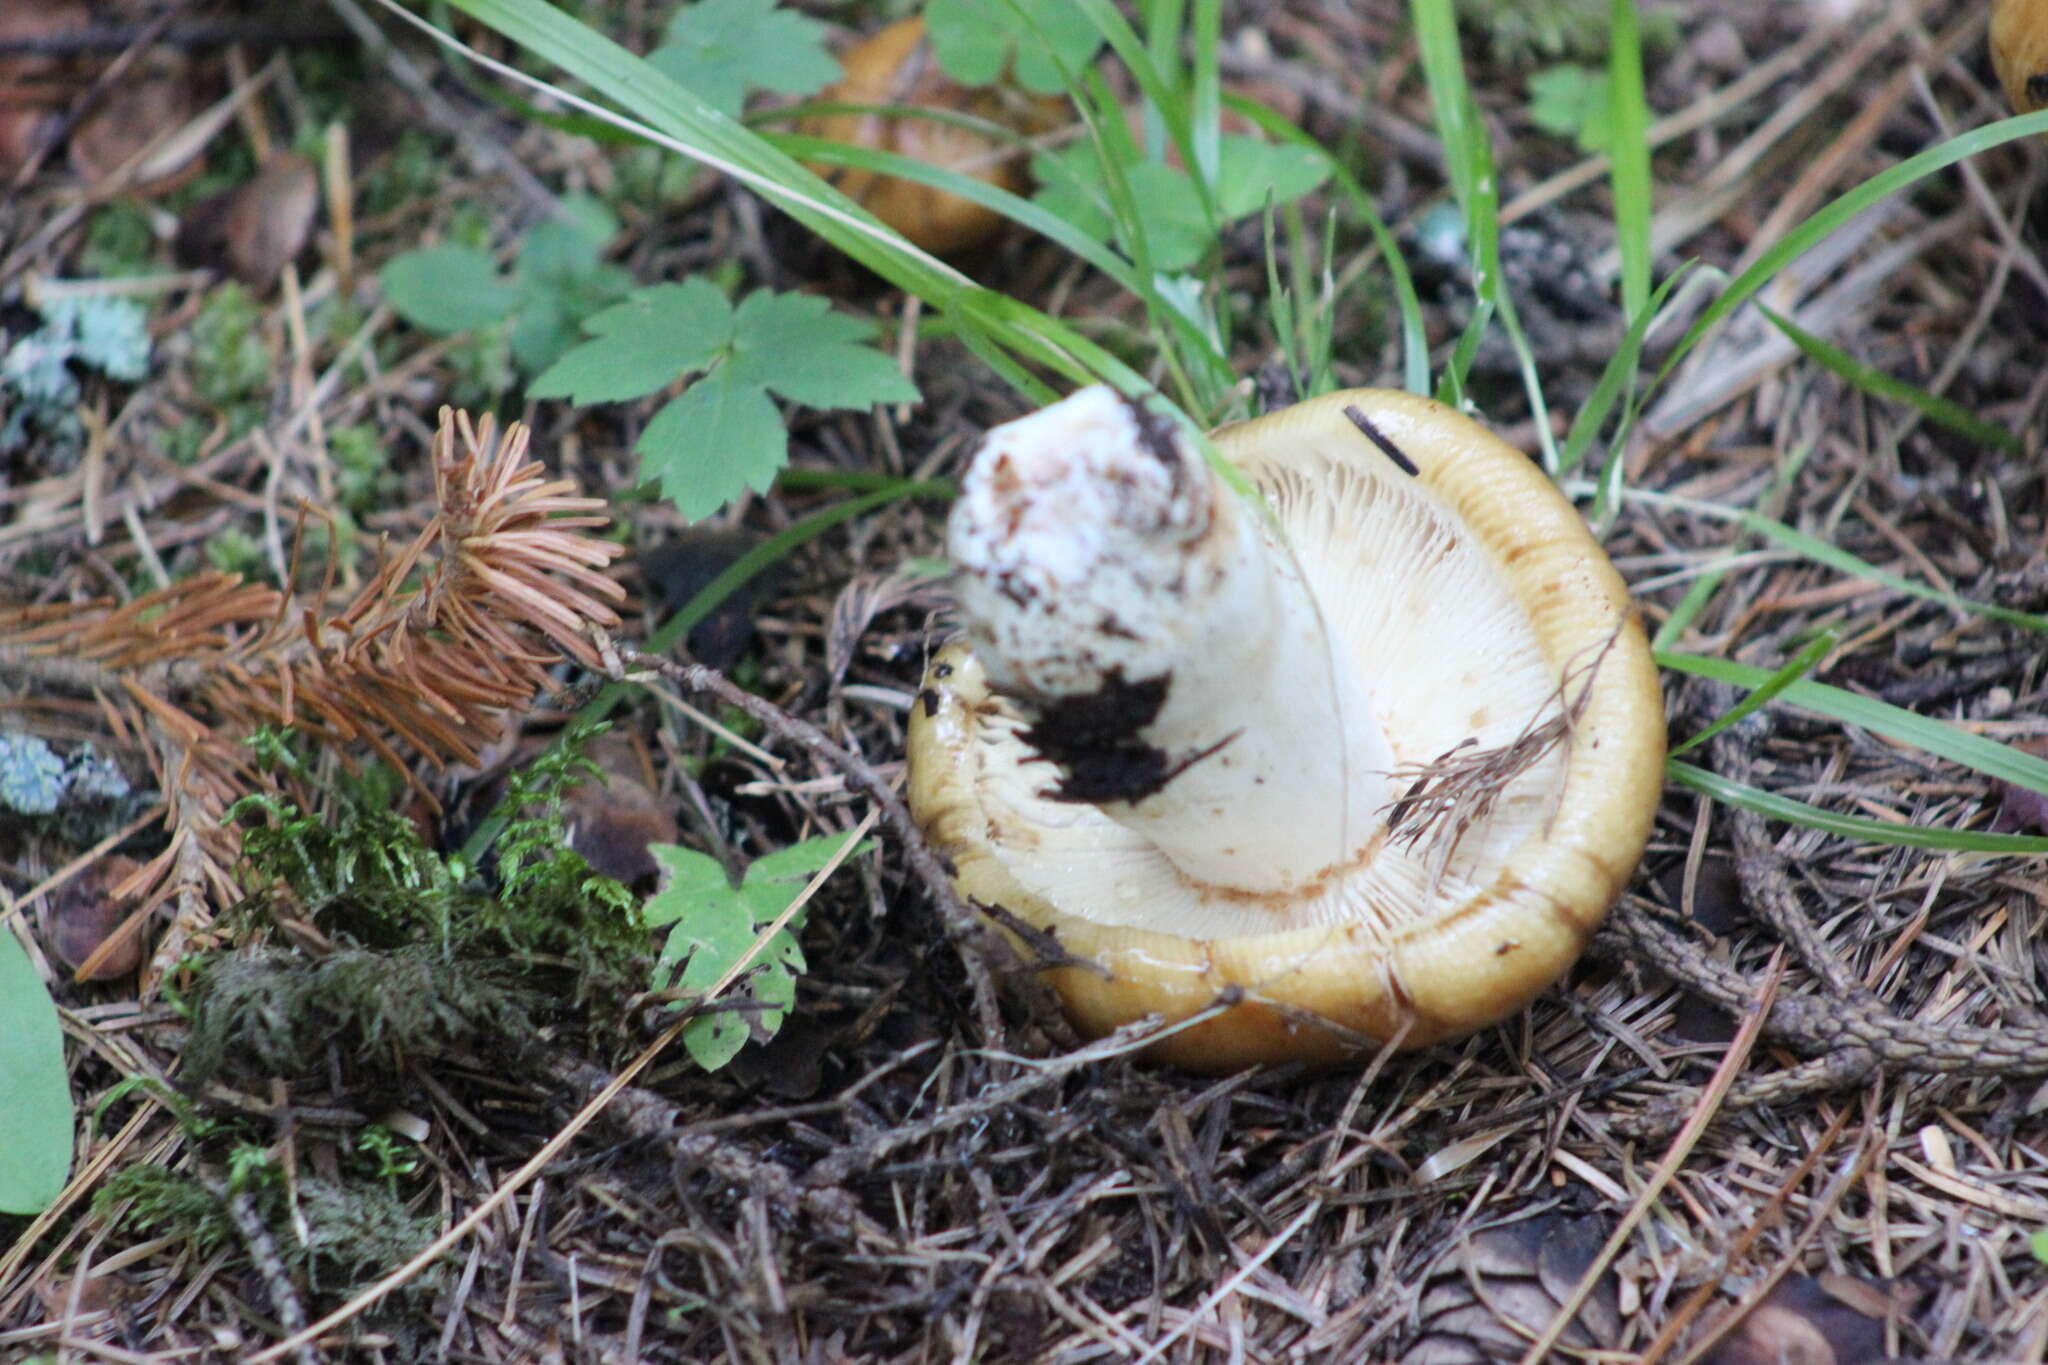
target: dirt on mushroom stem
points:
(1155, 629)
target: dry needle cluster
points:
(425, 659)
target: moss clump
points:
(353, 1232)
(281, 1010)
(427, 956)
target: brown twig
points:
(1848, 1040)
(263, 1254)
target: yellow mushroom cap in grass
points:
(896, 67)
(1373, 766)
(2019, 51)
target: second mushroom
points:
(1363, 764)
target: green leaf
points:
(2039, 1243)
(715, 440)
(722, 434)
(447, 289)
(1249, 171)
(717, 932)
(716, 925)
(653, 338)
(692, 878)
(35, 1091)
(569, 244)
(551, 315)
(797, 346)
(783, 872)
(1572, 101)
(975, 39)
(720, 49)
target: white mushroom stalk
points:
(1177, 670)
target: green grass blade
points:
(1840, 210)
(1206, 106)
(666, 114)
(1469, 158)
(1937, 737)
(1628, 151)
(1414, 337)
(1800, 664)
(1443, 68)
(1861, 828)
(1616, 379)
(1450, 385)
(1016, 208)
(1158, 89)
(1872, 380)
(1820, 552)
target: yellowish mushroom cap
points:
(1504, 658)
(2019, 52)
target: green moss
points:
(429, 958)
(412, 171)
(231, 363)
(353, 1232)
(363, 477)
(118, 241)
(281, 1011)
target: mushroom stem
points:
(1167, 657)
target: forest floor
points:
(1854, 1169)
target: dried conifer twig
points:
(455, 629)
(263, 1253)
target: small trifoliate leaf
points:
(1070, 186)
(35, 1091)
(651, 339)
(715, 440)
(718, 50)
(690, 879)
(1571, 101)
(1170, 213)
(553, 309)
(447, 289)
(1169, 209)
(716, 924)
(1176, 226)
(795, 345)
(1248, 170)
(975, 39)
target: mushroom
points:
(1365, 763)
(2019, 52)
(896, 67)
